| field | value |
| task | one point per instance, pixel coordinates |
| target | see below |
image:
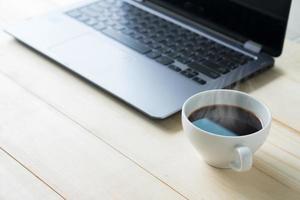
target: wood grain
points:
(17, 183)
(70, 133)
(158, 146)
(289, 61)
(279, 87)
(294, 21)
(280, 156)
(66, 156)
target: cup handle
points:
(244, 159)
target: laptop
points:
(154, 54)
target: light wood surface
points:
(16, 182)
(63, 136)
(294, 22)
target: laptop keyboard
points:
(183, 51)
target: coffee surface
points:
(226, 120)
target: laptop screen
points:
(262, 21)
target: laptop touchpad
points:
(86, 52)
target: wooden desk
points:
(61, 138)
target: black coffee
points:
(226, 120)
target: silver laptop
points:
(154, 54)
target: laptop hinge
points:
(253, 46)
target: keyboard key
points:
(147, 41)
(199, 80)
(95, 7)
(182, 59)
(124, 21)
(159, 38)
(188, 73)
(131, 43)
(100, 26)
(172, 54)
(204, 70)
(164, 60)
(186, 53)
(119, 27)
(142, 30)
(192, 71)
(228, 64)
(82, 18)
(216, 67)
(136, 35)
(89, 12)
(110, 23)
(153, 54)
(127, 31)
(74, 13)
(91, 22)
(155, 45)
(233, 65)
(175, 68)
(166, 50)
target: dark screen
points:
(262, 21)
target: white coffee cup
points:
(235, 152)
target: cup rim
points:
(264, 128)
